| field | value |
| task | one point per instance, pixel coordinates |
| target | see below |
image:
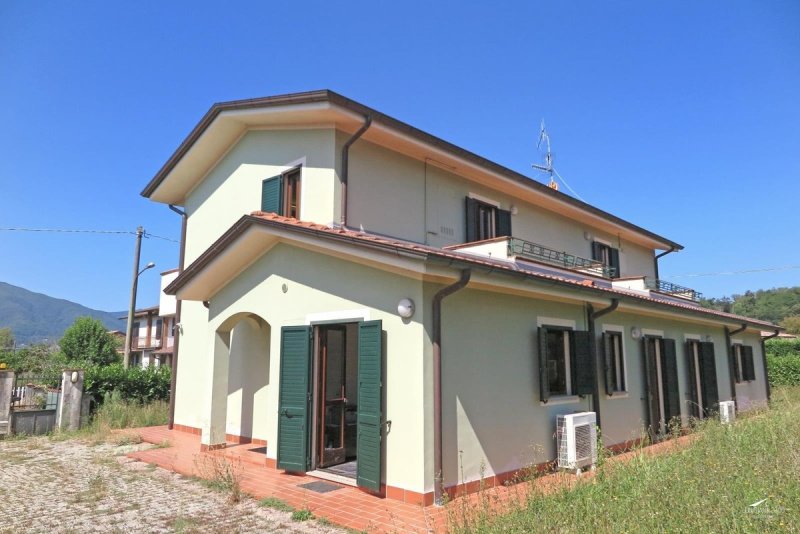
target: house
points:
(153, 337)
(379, 306)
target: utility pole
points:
(132, 306)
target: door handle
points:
(286, 413)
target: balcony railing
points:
(674, 290)
(536, 252)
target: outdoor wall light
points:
(513, 210)
(405, 308)
(587, 236)
(636, 332)
(73, 377)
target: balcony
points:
(513, 248)
(535, 252)
(674, 290)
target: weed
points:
(183, 525)
(276, 504)
(707, 485)
(220, 474)
(304, 514)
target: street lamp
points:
(134, 285)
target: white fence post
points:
(6, 390)
(68, 413)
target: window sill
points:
(561, 399)
(618, 395)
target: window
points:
(614, 362)
(608, 255)
(703, 394)
(485, 221)
(159, 325)
(565, 362)
(281, 194)
(743, 366)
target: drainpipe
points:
(655, 260)
(437, 382)
(591, 317)
(176, 326)
(729, 351)
(345, 165)
(764, 359)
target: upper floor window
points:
(281, 194)
(486, 221)
(608, 255)
(159, 325)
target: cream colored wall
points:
(754, 393)
(233, 187)
(193, 351)
(492, 416)
(315, 285)
(493, 419)
(396, 195)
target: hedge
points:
(783, 360)
(135, 384)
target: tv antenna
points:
(544, 139)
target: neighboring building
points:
(153, 334)
(333, 254)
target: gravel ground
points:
(72, 486)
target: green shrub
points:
(784, 370)
(135, 384)
(116, 413)
(783, 347)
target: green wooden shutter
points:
(584, 363)
(694, 406)
(669, 365)
(608, 363)
(472, 220)
(708, 376)
(544, 380)
(651, 375)
(749, 369)
(272, 195)
(737, 372)
(293, 398)
(614, 263)
(502, 223)
(370, 404)
(597, 251)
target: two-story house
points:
(153, 334)
(378, 304)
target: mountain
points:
(34, 317)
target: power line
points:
(78, 231)
(745, 271)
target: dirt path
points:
(72, 486)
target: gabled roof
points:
(328, 106)
(450, 258)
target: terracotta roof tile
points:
(494, 264)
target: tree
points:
(88, 340)
(6, 339)
(791, 324)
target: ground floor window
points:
(743, 366)
(566, 365)
(614, 362)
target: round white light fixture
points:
(405, 308)
(636, 332)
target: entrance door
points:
(661, 379)
(702, 378)
(332, 422)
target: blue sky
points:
(681, 117)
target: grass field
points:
(710, 485)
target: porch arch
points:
(239, 377)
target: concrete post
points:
(6, 388)
(68, 414)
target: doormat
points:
(320, 486)
(259, 450)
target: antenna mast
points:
(544, 137)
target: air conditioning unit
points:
(576, 438)
(727, 412)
